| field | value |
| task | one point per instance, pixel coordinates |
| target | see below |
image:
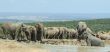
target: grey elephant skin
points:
(11, 30)
(86, 34)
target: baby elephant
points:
(93, 41)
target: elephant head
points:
(30, 32)
(81, 26)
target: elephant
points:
(92, 40)
(103, 36)
(51, 32)
(86, 34)
(40, 31)
(62, 32)
(30, 32)
(11, 30)
(72, 34)
(56, 32)
(82, 27)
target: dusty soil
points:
(14, 46)
(48, 46)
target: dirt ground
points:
(14, 46)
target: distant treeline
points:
(95, 25)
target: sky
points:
(55, 6)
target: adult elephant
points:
(63, 32)
(30, 32)
(40, 31)
(51, 33)
(81, 28)
(56, 32)
(71, 34)
(86, 34)
(103, 36)
(11, 30)
(92, 40)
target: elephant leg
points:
(75, 36)
(33, 36)
(22, 36)
(12, 36)
(63, 35)
(59, 34)
(54, 36)
(102, 44)
(39, 35)
(28, 35)
(44, 36)
(28, 38)
(69, 36)
(17, 36)
(4, 36)
(88, 42)
(47, 36)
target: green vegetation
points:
(95, 25)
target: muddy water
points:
(70, 48)
(73, 48)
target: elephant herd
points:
(37, 32)
(59, 33)
(19, 31)
(86, 34)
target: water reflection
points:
(93, 49)
(72, 48)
